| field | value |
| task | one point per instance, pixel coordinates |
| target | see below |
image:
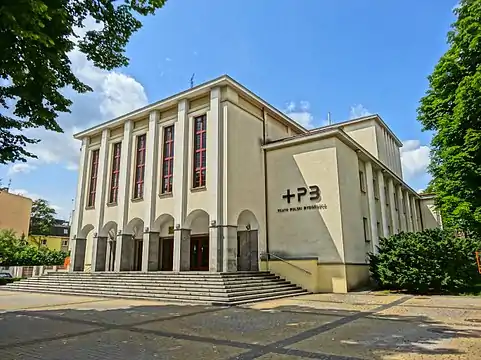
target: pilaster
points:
(229, 258)
(124, 193)
(415, 215)
(102, 179)
(77, 217)
(409, 219)
(392, 207)
(150, 260)
(215, 248)
(150, 185)
(402, 217)
(382, 201)
(181, 250)
(371, 201)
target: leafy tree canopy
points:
(35, 38)
(42, 218)
(451, 109)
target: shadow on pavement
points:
(234, 332)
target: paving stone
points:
(246, 325)
(119, 345)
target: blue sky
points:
(306, 57)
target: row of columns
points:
(397, 220)
(216, 148)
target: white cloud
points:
(62, 213)
(25, 193)
(358, 111)
(168, 59)
(300, 113)
(414, 159)
(20, 168)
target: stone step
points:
(171, 289)
(158, 276)
(171, 282)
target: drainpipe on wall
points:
(265, 184)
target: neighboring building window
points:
(44, 242)
(140, 167)
(376, 190)
(366, 229)
(200, 127)
(65, 243)
(362, 183)
(65, 231)
(115, 174)
(168, 160)
(93, 178)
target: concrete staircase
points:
(190, 287)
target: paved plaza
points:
(321, 326)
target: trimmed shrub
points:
(430, 261)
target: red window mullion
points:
(93, 178)
(167, 160)
(114, 185)
(199, 151)
(140, 166)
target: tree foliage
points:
(36, 37)
(42, 218)
(16, 251)
(451, 109)
(433, 260)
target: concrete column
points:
(150, 185)
(392, 207)
(181, 250)
(371, 202)
(150, 259)
(99, 259)
(77, 259)
(402, 217)
(124, 192)
(110, 256)
(409, 219)
(415, 214)
(124, 258)
(102, 180)
(382, 201)
(229, 262)
(77, 215)
(214, 178)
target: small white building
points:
(216, 179)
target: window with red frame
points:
(114, 176)
(94, 165)
(168, 160)
(139, 168)
(200, 124)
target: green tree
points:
(35, 38)
(451, 109)
(42, 218)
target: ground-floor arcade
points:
(198, 245)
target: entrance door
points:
(138, 244)
(247, 257)
(167, 262)
(199, 253)
(111, 247)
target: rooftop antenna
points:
(329, 122)
(192, 80)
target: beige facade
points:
(216, 179)
(15, 212)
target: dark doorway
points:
(167, 260)
(138, 244)
(247, 256)
(111, 247)
(199, 253)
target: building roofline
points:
(323, 133)
(192, 92)
(376, 117)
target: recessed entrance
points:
(199, 253)
(138, 244)
(167, 251)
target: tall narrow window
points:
(139, 168)
(362, 183)
(94, 166)
(366, 229)
(376, 189)
(114, 176)
(168, 160)
(200, 124)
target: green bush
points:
(17, 252)
(431, 261)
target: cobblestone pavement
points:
(320, 326)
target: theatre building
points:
(216, 179)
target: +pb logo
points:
(314, 194)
